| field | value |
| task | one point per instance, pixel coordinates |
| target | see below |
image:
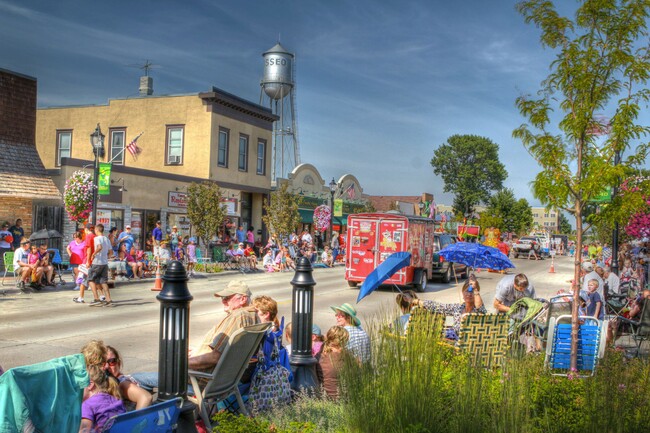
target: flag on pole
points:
(133, 147)
(350, 191)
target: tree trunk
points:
(575, 323)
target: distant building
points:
(26, 191)
(545, 220)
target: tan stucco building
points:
(210, 136)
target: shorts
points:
(98, 274)
(73, 266)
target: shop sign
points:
(177, 199)
(338, 207)
(230, 204)
(104, 217)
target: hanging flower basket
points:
(78, 196)
(322, 217)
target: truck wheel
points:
(352, 284)
(446, 277)
(421, 284)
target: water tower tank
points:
(278, 79)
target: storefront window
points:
(181, 221)
(110, 218)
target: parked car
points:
(525, 244)
(441, 267)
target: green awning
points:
(306, 215)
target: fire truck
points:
(372, 237)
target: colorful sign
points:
(338, 207)
(177, 199)
(104, 178)
(605, 196)
(230, 204)
(104, 217)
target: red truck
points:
(372, 237)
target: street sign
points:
(605, 196)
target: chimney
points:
(146, 86)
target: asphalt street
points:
(44, 325)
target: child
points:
(331, 360)
(249, 253)
(594, 301)
(287, 338)
(327, 258)
(34, 260)
(267, 262)
(191, 256)
(101, 400)
(179, 253)
(317, 341)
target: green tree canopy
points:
(470, 168)
(565, 225)
(204, 209)
(281, 214)
(601, 66)
(510, 214)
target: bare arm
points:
(498, 305)
(207, 360)
(86, 426)
(134, 393)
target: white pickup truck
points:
(524, 245)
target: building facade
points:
(212, 136)
(545, 220)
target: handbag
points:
(270, 386)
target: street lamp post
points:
(97, 142)
(333, 186)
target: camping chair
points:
(199, 257)
(8, 260)
(484, 337)
(523, 326)
(222, 259)
(560, 305)
(618, 303)
(225, 377)
(57, 263)
(591, 344)
(158, 418)
(640, 329)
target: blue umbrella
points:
(476, 255)
(385, 270)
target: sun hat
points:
(587, 267)
(315, 329)
(350, 311)
(127, 227)
(235, 287)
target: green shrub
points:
(210, 268)
(229, 423)
(325, 415)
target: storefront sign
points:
(177, 199)
(104, 218)
(338, 207)
(230, 204)
(104, 179)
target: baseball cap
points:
(127, 227)
(315, 329)
(235, 287)
(587, 266)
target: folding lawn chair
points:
(158, 418)
(58, 264)
(8, 260)
(423, 320)
(640, 329)
(224, 379)
(484, 337)
(591, 345)
(619, 303)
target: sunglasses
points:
(111, 361)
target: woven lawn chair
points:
(158, 418)
(484, 337)
(223, 381)
(591, 345)
(424, 321)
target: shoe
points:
(78, 300)
(96, 303)
(109, 304)
(102, 298)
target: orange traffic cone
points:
(552, 270)
(158, 284)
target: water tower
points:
(279, 93)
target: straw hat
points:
(350, 311)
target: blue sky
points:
(380, 84)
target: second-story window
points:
(117, 146)
(63, 146)
(261, 157)
(174, 145)
(243, 152)
(224, 137)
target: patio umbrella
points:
(476, 255)
(45, 234)
(385, 270)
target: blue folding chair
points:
(157, 418)
(57, 263)
(591, 345)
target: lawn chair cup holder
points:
(591, 345)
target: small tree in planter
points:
(204, 209)
(281, 212)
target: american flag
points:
(350, 191)
(133, 147)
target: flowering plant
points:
(78, 196)
(322, 217)
(638, 225)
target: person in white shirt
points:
(613, 281)
(326, 257)
(22, 266)
(306, 237)
(588, 273)
(98, 273)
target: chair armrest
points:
(630, 321)
(201, 374)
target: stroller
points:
(524, 331)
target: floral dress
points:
(454, 310)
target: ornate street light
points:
(97, 142)
(333, 187)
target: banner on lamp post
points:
(338, 207)
(104, 178)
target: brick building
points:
(26, 191)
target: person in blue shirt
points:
(125, 240)
(594, 301)
(18, 233)
(156, 237)
(241, 235)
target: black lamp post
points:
(302, 361)
(333, 186)
(97, 142)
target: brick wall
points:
(17, 108)
(16, 207)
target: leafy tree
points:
(599, 66)
(522, 217)
(204, 209)
(565, 226)
(281, 215)
(470, 168)
(514, 215)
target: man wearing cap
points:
(156, 237)
(22, 266)
(587, 272)
(359, 342)
(510, 289)
(125, 240)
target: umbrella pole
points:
(453, 268)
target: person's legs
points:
(147, 380)
(49, 270)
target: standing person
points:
(250, 237)
(18, 233)
(77, 253)
(6, 239)
(156, 239)
(179, 252)
(331, 360)
(594, 301)
(174, 238)
(359, 343)
(510, 289)
(240, 234)
(125, 240)
(335, 245)
(22, 266)
(588, 273)
(191, 256)
(101, 400)
(98, 273)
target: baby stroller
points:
(525, 333)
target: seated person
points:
(290, 264)
(637, 304)
(327, 257)
(268, 262)
(232, 255)
(281, 260)
(136, 267)
(46, 265)
(129, 389)
(249, 255)
(101, 400)
(35, 263)
(164, 255)
(116, 266)
(22, 266)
